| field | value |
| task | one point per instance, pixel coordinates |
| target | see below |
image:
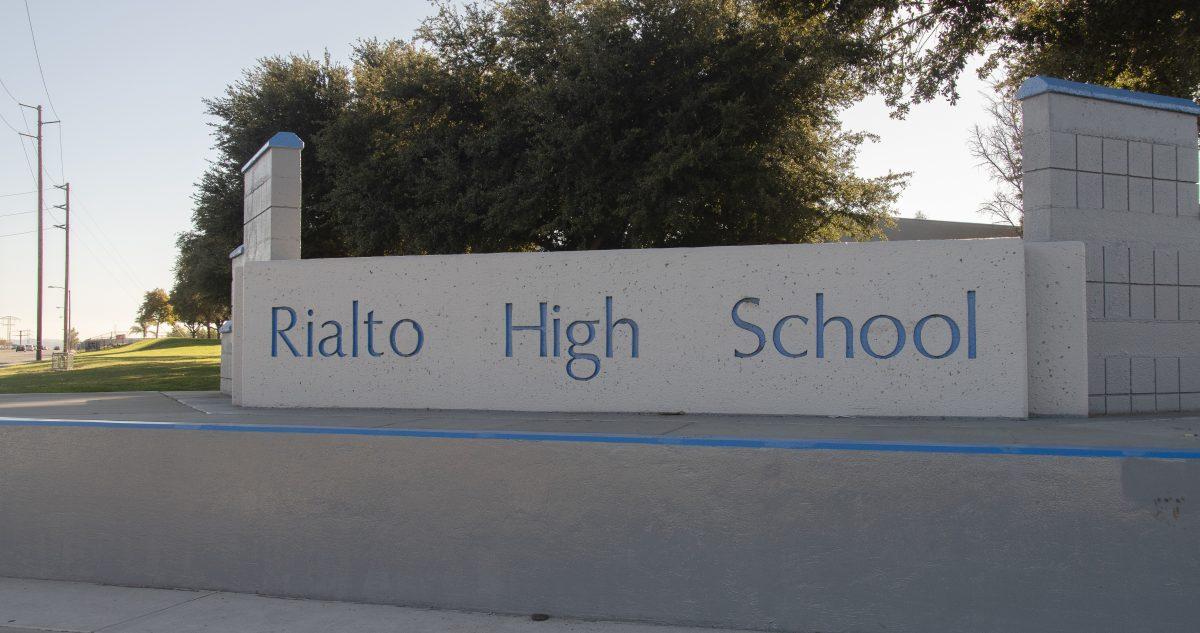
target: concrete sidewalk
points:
(41, 605)
(1159, 431)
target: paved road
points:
(40, 605)
(9, 357)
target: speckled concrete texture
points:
(1056, 304)
(682, 301)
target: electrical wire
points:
(83, 219)
(37, 56)
(62, 170)
(9, 93)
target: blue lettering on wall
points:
(749, 327)
(821, 323)
(278, 334)
(776, 335)
(864, 337)
(416, 328)
(331, 343)
(917, 331)
(583, 365)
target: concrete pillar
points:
(226, 334)
(1117, 170)
(270, 230)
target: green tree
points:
(1145, 46)
(194, 310)
(156, 308)
(605, 124)
(294, 93)
(572, 124)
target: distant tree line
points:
(186, 315)
(525, 125)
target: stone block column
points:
(270, 231)
(1117, 170)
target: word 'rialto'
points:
(332, 341)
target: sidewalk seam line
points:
(108, 627)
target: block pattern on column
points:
(1141, 283)
(1118, 170)
(1142, 384)
(1089, 172)
(272, 193)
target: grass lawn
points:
(169, 364)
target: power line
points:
(25, 153)
(102, 240)
(8, 92)
(99, 235)
(112, 253)
(9, 215)
(37, 56)
(101, 260)
(21, 233)
(10, 125)
(19, 193)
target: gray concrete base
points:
(36, 606)
(494, 515)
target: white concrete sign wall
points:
(916, 328)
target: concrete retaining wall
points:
(758, 538)
(929, 328)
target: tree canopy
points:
(580, 124)
(295, 93)
(156, 309)
(612, 124)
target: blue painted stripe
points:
(653, 440)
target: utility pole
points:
(66, 227)
(40, 208)
(7, 322)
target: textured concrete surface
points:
(688, 342)
(1056, 306)
(36, 606)
(822, 540)
(1123, 179)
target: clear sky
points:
(127, 78)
